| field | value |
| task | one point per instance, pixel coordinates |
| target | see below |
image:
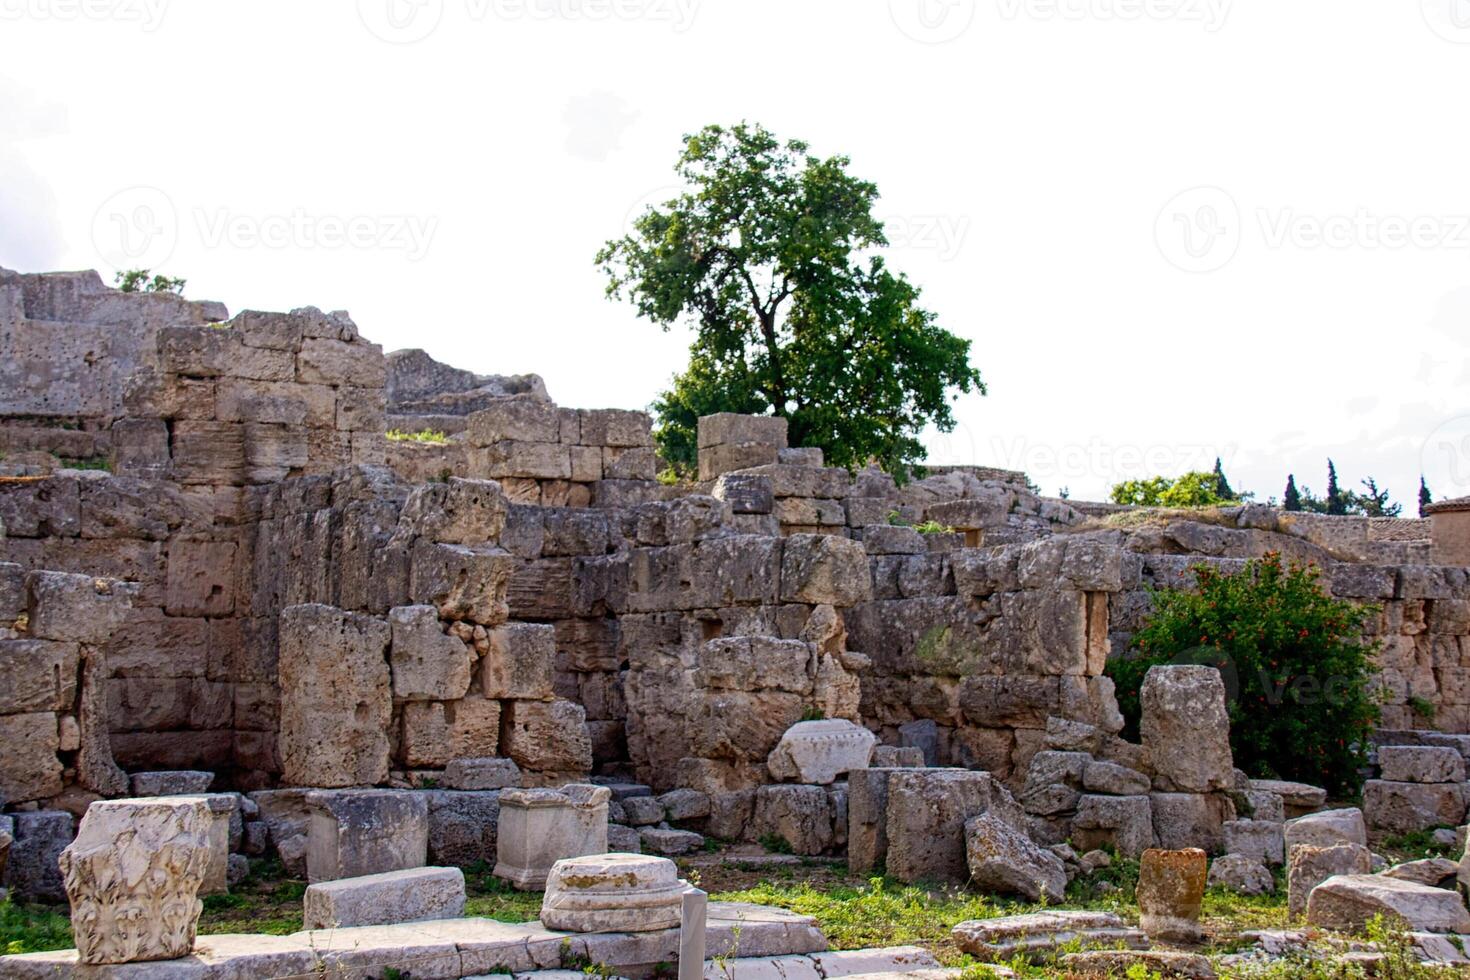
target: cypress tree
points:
(1335, 502)
(1222, 485)
(1292, 500)
(1424, 498)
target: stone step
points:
(1044, 933)
(447, 949)
(817, 966)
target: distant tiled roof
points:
(1448, 506)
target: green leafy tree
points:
(137, 281)
(769, 257)
(1195, 489)
(1425, 499)
(1293, 498)
(1373, 502)
(1335, 501)
(1298, 670)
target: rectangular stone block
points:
(715, 461)
(520, 662)
(208, 452)
(77, 608)
(728, 427)
(547, 737)
(462, 583)
(29, 769)
(427, 663)
(517, 418)
(436, 733)
(362, 832)
(201, 578)
(1421, 764)
(615, 427)
(927, 811)
(41, 508)
(463, 826)
(413, 895)
(37, 675)
(539, 827)
(336, 362)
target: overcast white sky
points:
(1173, 228)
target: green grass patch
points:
(33, 928)
(431, 437)
(490, 897)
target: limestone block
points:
(1348, 902)
(37, 676)
(209, 452)
(820, 751)
(1259, 840)
(32, 871)
(822, 568)
(753, 663)
(520, 662)
(132, 877)
(799, 815)
(1042, 934)
(77, 608)
(927, 812)
(643, 811)
(1421, 764)
(1186, 728)
(539, 827)
(897, 757)
(1003, 860)
(481, 774)
(615, 427)
(1308, 866)
(1184, 820)
(361, 832)
(1327, 827)
(463, 826)
(682, 805)
(669, 842)
(717, 461)
(456, 511)
(1404, 808)
(547, 736)
(1299, 799)
(140, 448)
(1126, 822)
(867, 819)
(171, 782)
(746, 494)
(613, 893)
(435, 733)
(1241, 874)
(410, 895)
(1427, 871)
(463, 583)
(1171, 886)
(1114, 780)
(336, 702)
(29, 769)
(49, 508)
(338, 362)
(728, 427)
(528, 460)
(427, 664)
(201, 578)
(223, 815)
(521, 418)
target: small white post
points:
(691, 935)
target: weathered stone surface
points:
(1434, 872)
(820, 751)
(1171, 886)
(1112, 779)
(1309, 865)
(77, 608)
(37, 675)
(613, 893)
(867, 819)
(133, 875)
(463, 826)
(682, 805)
(1003, 860)
(1298, 798)
(1259, 840)
(427, 664)
(1158, 962)
(1183, 820)
(1242, 874)
(547, 736)
(1126, 822)
(481, 774)
(410, 895)
(171, 782)
(1347, 903)
(1403, 808)
(435, 733)
(362, 832)
(539, 827)
(463, 583)
(201, 578)
(29, 768)
(520, 662)
(669, 842)
(729, 428)
(1186, 728)
(1421, 764)
(823, 568)
(1041, 934)
(1341, 826)
(927, 813)
(799, 815)
(32, 871)
(897, 757)
(463, 512)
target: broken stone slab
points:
(427, 663)
(1299, 799)
(173, 782)
(481, 774)
(1171, 886)
(1434, 872)
(1004, 860)
(664, 840)
(1308, 866)
(1259, 840)
(539, 827)
(1348, 902)
(897, 757)
(818, 752)
(623, 840)
(1421, 764)
(685, 804)
(410, 895)
(1043, 934)
(1406, 808)
(1111, 779)
(643, 811)
(1186, 729)
(352, 833)
(1327, 827)
(463, 826)
(1241, 874)
(1157, 962)
(1126, 822)
(927, 813)
(133, 875)
(613, 893)
(223, 812)
(32, 871)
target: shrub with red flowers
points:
(1296, 665)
